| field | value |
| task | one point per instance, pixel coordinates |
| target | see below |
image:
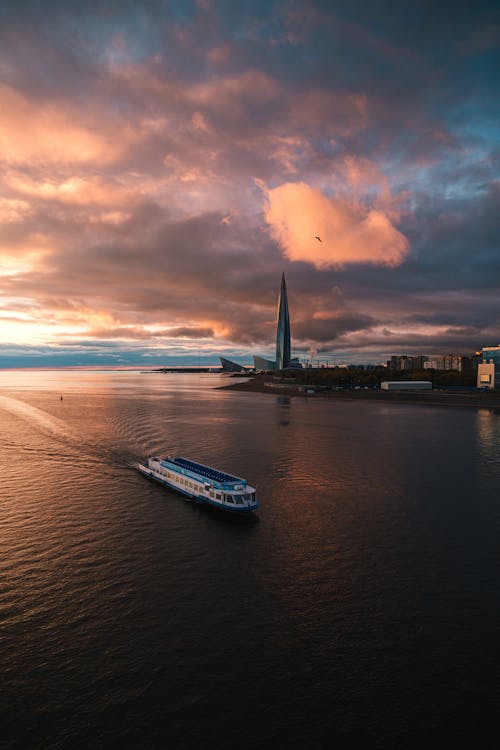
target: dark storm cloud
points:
(329, 329)
(141, 144)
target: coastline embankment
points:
(436, 397)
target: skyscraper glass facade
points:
(283, 346)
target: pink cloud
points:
(251, 86)
(12, 210)
(34, 132)
(362, 174)
(348, 230)
(72, 189)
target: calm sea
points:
(359, 608)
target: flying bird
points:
(318, 238)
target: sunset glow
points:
(163, 164)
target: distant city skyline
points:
(163, 163)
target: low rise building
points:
(486, 375)
(406, 385)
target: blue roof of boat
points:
(204, 471)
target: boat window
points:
(229, 499)
(217, 496)
(238, 500)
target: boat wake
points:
(32, 414)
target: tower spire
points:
(283, 347)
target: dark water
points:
(361, 608)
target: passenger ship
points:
(201, 483)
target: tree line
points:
(340, 377)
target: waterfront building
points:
(284, 360)
(406, 385)
(260, 363)
(229, 366)
(283, 330)
(486, 375)
(488, 371)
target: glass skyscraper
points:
(284, 359)
(283, 347)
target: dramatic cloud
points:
(161, 164)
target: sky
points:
(162, 163)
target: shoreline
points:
(480, 399)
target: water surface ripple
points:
(361, 605)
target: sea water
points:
(360, 606)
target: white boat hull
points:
(236, 501)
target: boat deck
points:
(205, 471)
